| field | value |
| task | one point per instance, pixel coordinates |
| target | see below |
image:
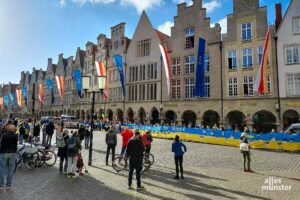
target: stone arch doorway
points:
(264, 121)
(142, 115)
(170, 117)
(290, 117)
(78, 114)
(210, 118)
(189, 118)
(109, 114)
(235, 119)
(120, 117)
(130, 115)
(155, 116)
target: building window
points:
(142, 72)
(189, 88)
(296, 25)
(176, 66)
(248, 86)
(175, 89)
(233, 87)
(246, 31)
(247, 57)
(207, 86)
(189, 38)
(269, 85)
(292, 54)
(259, 54)
(189, 64)
(232, 59)
(143, 48)
(293, 85)
(142, 93)
(206, 62)
(151, 91)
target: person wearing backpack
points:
(73, 147)
(62, 151)
(245, 150)
(111, 142)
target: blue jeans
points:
(21, 138)
(7, 166)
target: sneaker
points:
(176, 177)
(245, 170)
(8, 187)
(250, 171)
(140, 188)
(130, 187)
(1, 188)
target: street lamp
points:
(88, 88)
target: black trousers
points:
(247, 159)
(123, 150)
(178, 161)
(137, 166)
(113, 148)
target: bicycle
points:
(48, 156)
(121, 162)
(28, 156)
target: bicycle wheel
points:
(18, 161)
(31, 160)
(150, 157)
(50, 158)
(146, 164)
(119, 163)
(41, 160)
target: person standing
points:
(8, 149)
(111, 142)
(49, 131)
(44, 133)
(178, 155)
(36, 131)
(147, 140)
(73, 146)
(81, 132)
(245, 150)
(135, 152)
(126, 135)
(21, 133)
(62, 152)
(87, 135)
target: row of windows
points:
(113, 75)
(248, 85)
(143, 48)
(143, 72)
(190, 65)
(247, 58)
(142, 92)
(189, 86)
(115, 94)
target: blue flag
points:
(200, 73)
(25, 94)
(78, 81)
(12, 98)
(5, 99)
(119, 63)
(50, 87)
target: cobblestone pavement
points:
(211, 172)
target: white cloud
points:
(62, 2)
(141, 5)
(188, 2)
(166, 27)
(81, 2)
(223, 24)
(212, 5)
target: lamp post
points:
(90, 89)
(160, 113)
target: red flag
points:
(40, 92)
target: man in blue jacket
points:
(178, 155)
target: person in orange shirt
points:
(147, 139)
(126, 135)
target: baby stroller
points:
(80, 165)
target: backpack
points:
(60, 142)
(244, 147)
(72, 145)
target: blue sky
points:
(33, 30)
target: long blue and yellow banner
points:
(277, 141)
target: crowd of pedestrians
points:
(134, 147)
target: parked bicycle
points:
(27, 155)
(48, 156)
